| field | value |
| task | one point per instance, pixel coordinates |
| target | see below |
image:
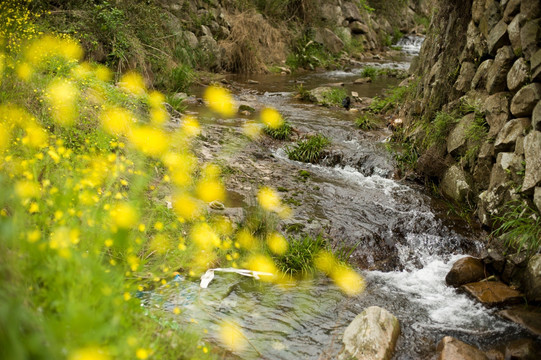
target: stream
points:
(402, 239)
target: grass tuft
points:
(519, 227)
(281, 133)
(309, 150)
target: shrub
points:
(309, 150)
(181, 78)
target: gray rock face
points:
(491, 16)
(518, 76)
(530, 34)
(496, 108)
(358, 28)
(535, 66)
(455, 184)
(465, 270)
(350, 11)
(475, 44)
(512, 8)
(477, 10)
(211, 47)
(498, 37)
(536, 116)
(507, 137)
(329, 39)
(505, 169)
(191, 39)
(525, 100)
(497, 74)
(514, 32)
(480, 78)
(531, 8)
(456, 141)
(532, 277)
(532, 155)
(537, 198)
(467, 72)
(454, 349)
(371, 335)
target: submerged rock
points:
(527, 316)
(450, 348)
(371, 335)
(464, 271)
(493, 293)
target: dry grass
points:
(252, 44)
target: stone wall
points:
(486, 53)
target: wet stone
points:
(493, 293)
(527, 316)
(371, 335)
(522, 349)
(450, 348)
(464, 271)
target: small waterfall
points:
(411, 44)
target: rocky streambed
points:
(401, 239)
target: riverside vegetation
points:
(88, 168)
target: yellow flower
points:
(186, 206)
(349, 281)
(160, 244)
(124, 216)
(24, 71)
(62, 96)
(142, 353)
(33, 236)
(246, 240)
(4, 137)
(36, 137)
(156, 99)
(103, 73)
(133, 83)
(158, 115)
(116, 121)
(190, 126)
(231, 336)
(27, 189)
(219, 100)
(210, 190)
(89, 353)
(149, 140)
(263, 263)
(204, 237)
(269, 199)
(271, 118)
(277, 244)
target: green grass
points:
(393, 98)
(309, 150)
(333, 97)
(519, 227)
(367, 122)
(309, 54)
(299, 258)
(437, 130)
(281, 133)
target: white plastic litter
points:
(209, 275)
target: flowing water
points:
(401, 238)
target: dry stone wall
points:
(487, 53)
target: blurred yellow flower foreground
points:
(87, 166)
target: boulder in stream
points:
(493, 293)
(464, 271)
(371, 335)
(450, 348)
